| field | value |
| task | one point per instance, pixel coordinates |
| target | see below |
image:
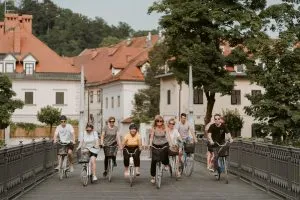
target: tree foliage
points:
(194, 32)
(49, 115)
(8, 104)
(146, 101)
(234, 121)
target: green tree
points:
(8, 104)
(234, 122)
(109, 41)
(194, 32)
(49, 115)
(146, 101)
(140, 33)
(28, 127)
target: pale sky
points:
(133, 12)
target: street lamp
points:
(191, 97)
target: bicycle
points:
(131, 166)
(174, 162)
(110, 151)
(188, 158)
(159, 168)
(222, 164)
(86, 174)
(63, 156)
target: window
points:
(1, 68)
(236, 97)
(9, 67)
(59, 98)
(119, 101)
(28, 98)
(98, 96)
(255, 92)
(106, 102)
(112, 102)
(29, 68)
(198, 96)
(91, 96)
(240, 68)
(169, 97)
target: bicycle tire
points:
(226, 170)
(110, 169)
(84, 176)
(131, 175)
(175, 169)
(189, 165)
(158, 175)
(61, 168)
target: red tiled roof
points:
(16, 38)
(123, 56)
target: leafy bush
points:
(28, 127)
(234, 122)
(49, 115)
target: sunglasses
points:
(63, 121)
(172, 123)
(112, 121)
(159, 121)
(217, 118)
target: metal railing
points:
(273, 168)
(24, 166)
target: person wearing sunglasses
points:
(159, 139)
(218, 133)
(175, 141)
(89, 140)
(110, 137)
(65, 134)
(132, 143)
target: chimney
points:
(10, 21)
(26, 21)
(1, 29)
(149, 40)
(17, 39)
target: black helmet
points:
(63, 117)
(133, 126)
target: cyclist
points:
(65, 134)
(89, 140)
(219, 133)
(175, 140)
(186, 131)
(110, 137)
(131, 142)
(159, 138)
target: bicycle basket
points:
(157, 154)
(62, 150)
(110, 150)
(173, 151)
(84, 157)
(189, 147)
(223, 151)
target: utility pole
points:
(191, 98)
(81, 117)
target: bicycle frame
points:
(86, 174)
(222, 163)
(63, 157)
(110, 164)
(159, 170)
(131, 166)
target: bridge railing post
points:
(5, 183)
(20, 171)
(240, 143)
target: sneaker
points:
(105, 173)
(216, 173)
(56, 168)
(71, 168)
(211, 169)
(152, 180)
(95, 178)
(137, 172)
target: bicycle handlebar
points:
(158, 147)
(64, 143)
(131, 154)
(222, 145)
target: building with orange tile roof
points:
(113, 75)
(40, 77)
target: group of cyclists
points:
(171, 135)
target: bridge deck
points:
(201, 185)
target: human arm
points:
(55, 135)
(80, 141)
(192, 132)
(151, 136)
(102, 138)
(72, 134)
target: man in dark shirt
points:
(218, 133)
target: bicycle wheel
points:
(171, 166)
(158, 175)
(131, 175)
(84, 176)
(65, 169)
(110, 169)
(226, 170)
(175, 168)
(189, 165)
(61, 168)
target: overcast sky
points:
(133, 12)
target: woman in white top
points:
(89, 140)
(175, 139)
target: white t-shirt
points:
(174, 134)
(89, 139)
(65, 134)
